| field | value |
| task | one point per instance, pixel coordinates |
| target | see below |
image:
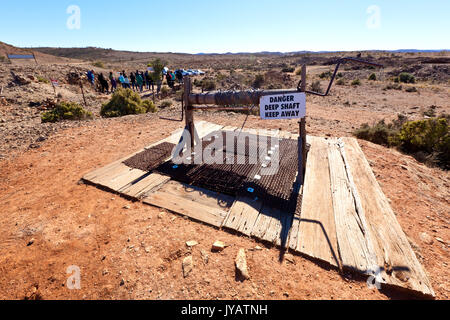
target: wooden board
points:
(314, 233)
(140, 188)
(395, 256)
(196, 203)
(352, 243)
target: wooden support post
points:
(82, 92)
(302, 130)
(188, 110)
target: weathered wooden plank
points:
(199, 195)
(112, 173)
(182, 205)
(352, 243)
(243, 215)
(398, 263)
(173, 138)
(139, 188)
(316, 235)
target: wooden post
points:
(54, 89)
(302, 129)
(82, 92)
(188, 111)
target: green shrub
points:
(165, 90)
(373, 77)
(166, 104)
(258, 81)
(125, 102)
(406, 78)
(149, 106)
(381, 133)
(298, 72)
(42, 79)
(356, 82)
(2, 58)
(99, 64)
(316, 87)
(66, 111)
(341, 82)
(430, 136)
(288, 70)
(208, 85)
(325, 75)
(158, 67)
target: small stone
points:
(241, 265)
(122, 282)
(191, 243)
(160, 215)
(188, 265)
(286, 294)
(30, 242)
(425, 238)
(205, 256)
(127, 207)
(440, 240)
(147, 249)
(218, 246)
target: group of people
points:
(137, 81)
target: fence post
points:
(302, 129)
(188, 111)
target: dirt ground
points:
(50, 221)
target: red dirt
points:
(49, 221)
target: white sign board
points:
(283, 106)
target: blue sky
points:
(194, 26)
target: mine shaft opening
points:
(244, 171)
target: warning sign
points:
(283, 106)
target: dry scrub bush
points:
(66, 111)
(125, 102)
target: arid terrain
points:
(50, 221)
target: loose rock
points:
(191, 243)
(188, 265)
(218, 246)
(241, 265)
(425, 238)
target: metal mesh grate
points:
(151, 158)
(274, 188)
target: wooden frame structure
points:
(352, 225)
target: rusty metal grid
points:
(275, 188)
(151, 158)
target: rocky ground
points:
(131, 251)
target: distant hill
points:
(111, 55)
(105, 55)
(41, 57)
